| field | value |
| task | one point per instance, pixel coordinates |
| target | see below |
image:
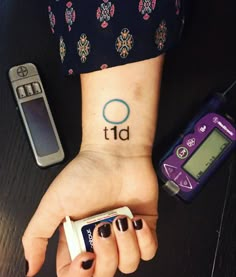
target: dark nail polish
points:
(26, 267)
(138, 224)
(87, 265)
(122, 224)
(104, 231)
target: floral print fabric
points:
(95, 35)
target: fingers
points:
(41, 227)
(117, 245)
(121, 245)
(146, 240)
(135, 240)
(129, 253)
(82, 266)
(106, 251)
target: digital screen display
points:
(40, 127)
(206, 154)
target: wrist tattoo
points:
(116, 104)
(116, 133)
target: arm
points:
(113, 169)
(137, 85)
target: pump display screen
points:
(206, 154)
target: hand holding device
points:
(88, 185)
(79, 234)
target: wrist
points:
(118, 149)
(119, 108)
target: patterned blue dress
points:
(97, 34)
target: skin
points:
(106, 174)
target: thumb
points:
(41, 227)
(82, 266)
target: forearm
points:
(119, 107)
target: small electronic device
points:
(36, 114)
(202, 147)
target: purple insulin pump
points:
(206, 142)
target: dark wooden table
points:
(196, 240)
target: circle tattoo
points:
(115, 101)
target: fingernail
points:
(138, 224)
(26, 267)
(104, 231)
(87, 265)
(122, 224)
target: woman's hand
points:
(111, 171)
(94, 182)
